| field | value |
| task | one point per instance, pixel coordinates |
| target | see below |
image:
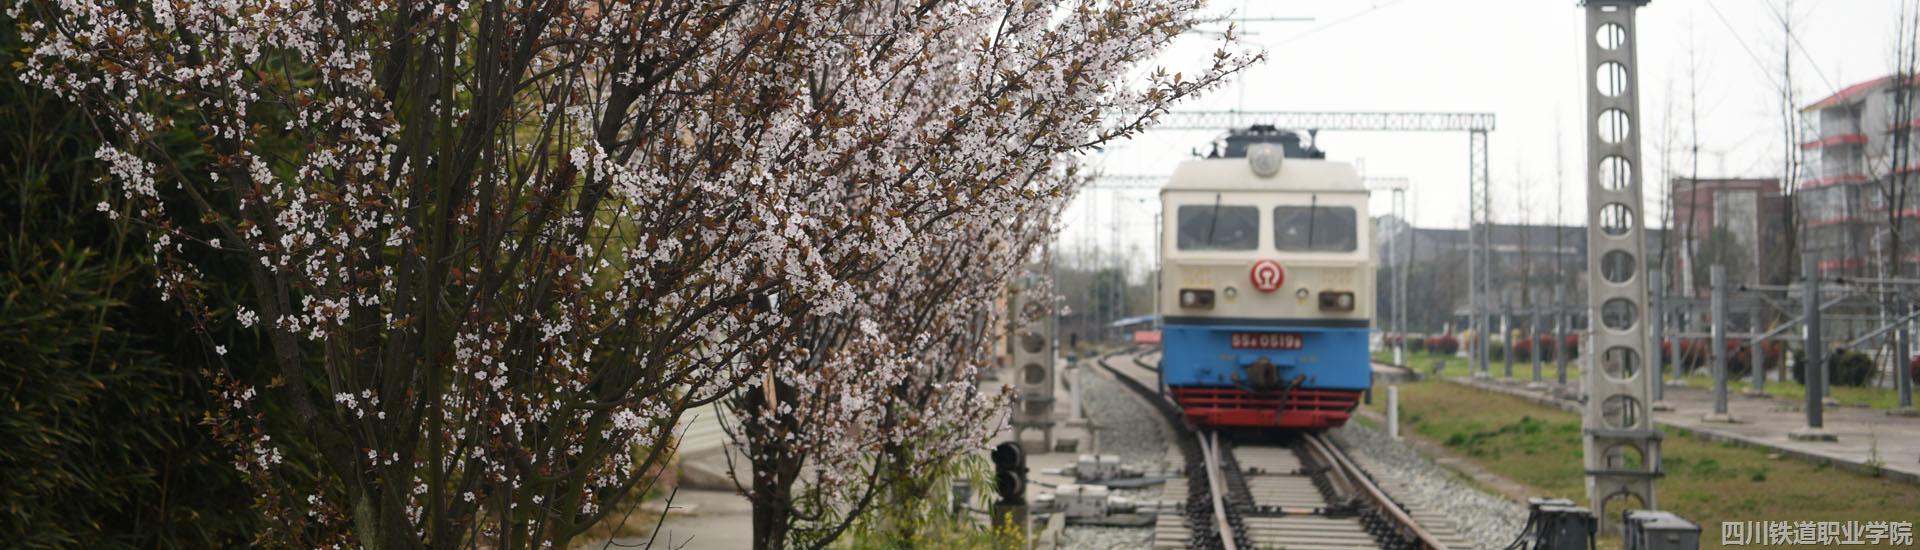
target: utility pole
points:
(1816, 367)
(1717, 276)
(1400, 276)
(1757, 351)
(1657, 316)
(1560, 334)
(1534, 349)
(1903, 375)
(1396, 322)
(1506, 335)
(1393, 259)
(1617, 422)
(1560, 279)
(1480, 265)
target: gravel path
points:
(1127, 425)
(1107, 538)
(1132, 429)
(1489, 520)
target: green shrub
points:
(1848, 368)
(100, 442)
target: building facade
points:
(1753, 227)
(1851, 172)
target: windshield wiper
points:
(1313, 208)
(1213, 220)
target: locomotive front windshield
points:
(1314, 228)
(1216, 227)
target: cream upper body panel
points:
(1218, 185)
(1236, 174)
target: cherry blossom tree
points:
(497, 248)
(891, 395)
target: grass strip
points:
(1707, 482)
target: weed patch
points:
(1706, 481)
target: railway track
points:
(1271, 490)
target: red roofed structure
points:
(1847, 94)
(1848, 160)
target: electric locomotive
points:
(1266, 285)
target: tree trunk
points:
(772, 503)
(774, 469)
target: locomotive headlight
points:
(1336, 301)
(1301, 294)
(1196, 298)
(1231, 292)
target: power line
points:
(1743, 45)
(1794, 42)
(1337, 22)
(1256, 20)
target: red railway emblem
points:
(1267, 275)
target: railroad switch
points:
(1081, 501)
(1100, 468)
(1108, 471)
(1095, 505)
(1090, 500)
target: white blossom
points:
(668, 202)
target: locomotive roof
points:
(1236, 174)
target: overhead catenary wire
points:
(1337, 22)
(1783, 17)
(1764, 70)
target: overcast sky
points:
(1521, 60)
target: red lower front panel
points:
(1233, 407)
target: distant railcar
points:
(1266, 290)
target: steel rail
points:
(1140, 360)
(1341, 482)
(1344, 475)
(1373, 493)
(1217, 485)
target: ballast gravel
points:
(1126, 424)
(1133, 430)
(1489, 520)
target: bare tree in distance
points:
(1559, 206)
(1891, 175)
(1792, 127)
(1523, 209)
(1793, 132)
(1669, 137)
(1688, 247)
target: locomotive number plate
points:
(1266, 340)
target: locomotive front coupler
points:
(1262, 375)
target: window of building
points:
(1825, 204)
(1314, 228)
(1811, 168)
(1836, 120)
(1217, 227)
